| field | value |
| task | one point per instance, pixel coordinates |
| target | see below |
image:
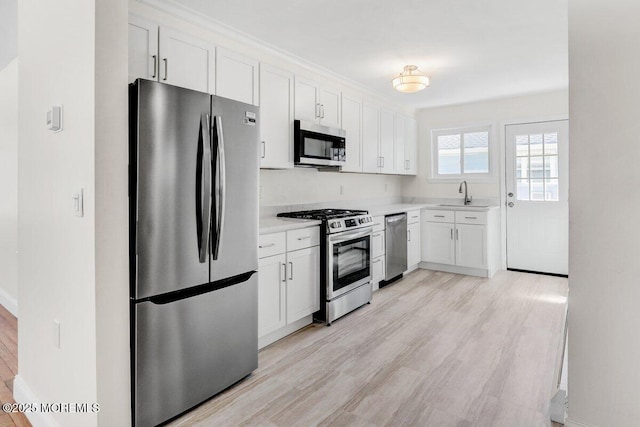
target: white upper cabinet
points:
(186, 61)
(387, 136)
(276, 118)
(236, 76)
(370, 137)
(352, 125)
(411, 146)
(143, 49)
(169, 56)
(317, 104)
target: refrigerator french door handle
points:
(220, 189)
(206, 186)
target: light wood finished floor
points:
(435, 349)
(9, 367)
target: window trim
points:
(490, 176)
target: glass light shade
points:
(410, 80)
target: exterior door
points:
(537, 196)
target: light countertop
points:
(276, 224)
(405, 207)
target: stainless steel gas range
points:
(345, 282)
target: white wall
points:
(308, 185)
(8, 31)
(73, 269)
(604, 197)
(9, 186)
(494, 112)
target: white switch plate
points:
(78, 203)
(54, 118)
(56, 333)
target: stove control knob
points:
(334, 225)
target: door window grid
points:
(537, 167)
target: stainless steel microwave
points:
(317, 145)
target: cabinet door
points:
(303, 283)
(186, 61)
(271, 294)
(370, 137)
(143, 49)
(437, 243)
(330, 107)
(471, 244)
(351, 123)
(387, 131)
(377, 271)
(411, 146)
(400, 166)
(276, 118)
(413, 244)
(236, 76)
(307, 105)
(377, 244)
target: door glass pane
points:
(522, 145)
(550, 166)
(522, 167)
(551, 189)
(535, 144)
(550, 143)
(449, 154)
(523, 189)
(476, 152)
(537, 189)
(536, 170)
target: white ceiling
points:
(472, 49)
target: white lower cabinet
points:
(303, 281)
(378, 250)
(461, 241)
(413, 245)
(377, 271)
(288, 283)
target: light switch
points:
(54, 118)
(78, 203)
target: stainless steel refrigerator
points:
(193, 257)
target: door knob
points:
(510, 194)
(510, 204)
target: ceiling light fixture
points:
(410, 80)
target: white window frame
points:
(490, 176)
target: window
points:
(461, 153)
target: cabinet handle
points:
(382, 162)
(317, 110)
(266, 246)
(264, 149)
(155, 66)
(322, 111)
(376, 261)
(451, 230)
(406, 164)
(438, 216)
(409, 235)
(456, 234)
(471, 217)
(290, 270)
(376, 235)
(304, 238)
(283, 272)
(376, 224)
(166, 68)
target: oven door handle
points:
(345, 237)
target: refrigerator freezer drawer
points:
(188, 350)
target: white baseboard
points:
(284, 331)
(9, 302)
(23, 394)
(575, 423)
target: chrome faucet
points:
(467, 198)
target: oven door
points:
(348, 261)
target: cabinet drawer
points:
(303, 238)
(271, 244)
(466, 217)
(378, 223)
(413, 217)
(434, 215)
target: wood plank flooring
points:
(9, 367)
(434, 349)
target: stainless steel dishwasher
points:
(396, 246)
